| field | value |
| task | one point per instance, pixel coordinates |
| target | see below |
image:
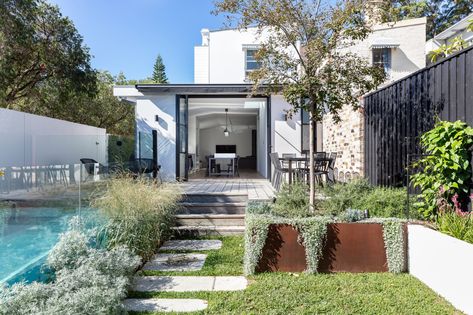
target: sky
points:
(127, 35)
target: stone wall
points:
(347, 139)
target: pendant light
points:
(226, 132)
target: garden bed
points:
(348, 247)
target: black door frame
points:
(178, 123)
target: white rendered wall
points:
(409, 56)
(227, 56)
(210, 137)
(286, 136)
(32, 140)
(201, 64)
(443, 263)
(165, 107)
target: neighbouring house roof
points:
(455, 28)
(384, 42)
(200, 88)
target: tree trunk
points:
(312, 127)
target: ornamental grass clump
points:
(140, 213)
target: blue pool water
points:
(26, 236)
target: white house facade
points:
(458, 29)
(216, 115)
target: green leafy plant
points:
(292, 200)
(446, 168)
(359, 194)
(140, 213)
(458, 225)
(394, 244)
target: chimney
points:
(205, 36)
(374, 11)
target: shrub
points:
(381, 202)
(458, 225)
(88, 281)
(72, 245)
(446, 167)
(385, 202)
(342, 196)
(292, 201)
(140, 213)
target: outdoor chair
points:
(279, 171)
(230, 165)
(89, 165)
(331, 168)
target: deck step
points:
(214, 197)
(210, 219)
(192, 230)
(212, 208)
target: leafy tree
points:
(455, 45)
(38, 46)
(159, 71)
(306, 54)
(440, 14)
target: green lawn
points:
(282, 293)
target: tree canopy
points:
(306, 53)
(45, 69)
(159, 71)
(440, 14)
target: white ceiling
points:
(207, 106)
(235, 121)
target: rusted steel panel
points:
(349, 247)
(354, 247)
(283, 250)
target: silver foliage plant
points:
(88, 280)
(312, 229)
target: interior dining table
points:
(292, 159)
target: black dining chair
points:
(230, 165)
(331, 167)
(279, 170)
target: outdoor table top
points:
(303, 159)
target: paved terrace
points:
(256, 189)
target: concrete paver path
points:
(176, 262)
(188, 284)
(192, 245)
(165, 305)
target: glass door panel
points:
(182, 130)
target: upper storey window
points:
(382, 58)
(251, 63)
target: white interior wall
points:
(32, 140)
(165, 107)
(210, 137)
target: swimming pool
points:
(26, 236)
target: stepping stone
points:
(188, 284)
(176, 262)
(191, 245)
(165, 305)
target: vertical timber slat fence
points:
(396, 115)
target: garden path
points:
(181, 262)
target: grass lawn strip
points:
(284, 293)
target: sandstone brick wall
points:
(347, 139)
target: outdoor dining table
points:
(290, 160)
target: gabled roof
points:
(455, 28)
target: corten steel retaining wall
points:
(349, 247)
(396, 115)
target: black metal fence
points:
(396, 115)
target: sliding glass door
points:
(182, 161)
